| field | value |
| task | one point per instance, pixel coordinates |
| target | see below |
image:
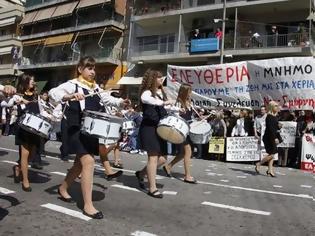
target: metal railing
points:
(154, 49)
(269, 41)
(68, 56)
(243, 42)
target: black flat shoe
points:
(140, 180)
(98, 215)
(36, 166)
(62, 198)
(190, 181)
(26, 189)
(155, 194)
(166, 172)
(269, 174)
(113, 176)
(17, 179)
(118, 166)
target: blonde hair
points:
(271, 105)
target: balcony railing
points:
(68, 57)
(269, 41)
(242, 43)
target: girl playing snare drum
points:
(85, 147)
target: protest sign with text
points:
(242, 149)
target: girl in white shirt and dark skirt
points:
(85, 147)
(152, 104)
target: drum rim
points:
(181, 133)
(177, 116)
(33, 131)
(37, 115)
(101, 114)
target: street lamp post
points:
(223, 32)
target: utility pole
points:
(223, 32)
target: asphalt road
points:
(229, 199)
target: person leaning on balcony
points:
(196, 34)
(218, 34)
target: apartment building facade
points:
(56, 33)
(11, 13)
(162, 31)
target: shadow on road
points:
(3, 153)
(13, 202)
(244, 171)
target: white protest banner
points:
(308, 153)
(249, 84)
(242, 149)
(288, 132)
(263, 154)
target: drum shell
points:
(200, 135)
(173, 129)
(102, 126)
(36, 124)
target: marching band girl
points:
(85, 147)
(27, 141)
(152, 104)
(184, 149)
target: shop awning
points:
(58, 40)
(88, 3)
(28, 18)
(65, 9)
(40, 85)
(5, 50)
(33, 42)
(44, 14)
(126, 80)
(8, 21)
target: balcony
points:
(10, 40)
(68, 58)
(6, 69)
(286, 44)
(35, 4)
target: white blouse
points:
(69, 87)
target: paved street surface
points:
(229, 199)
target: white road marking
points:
(142, 233)
(220, 174)
(144, 161)
(169, 193)
(10, 162)
(211, 174)
(241, 176)
(125, 187)
(257, 190)
(159, 177)
(8, 149)
(306, 186)
(277, 186)
(234, 208)
(208, 192)
(54, 158)
(225, 180)
(66, 211)
(58, 173)
(279, 173)
(6, 191)
(207, 170)
(180, 166)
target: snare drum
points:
(200, 132)
(173, 129)
(101, 125)
(128, 125)
(36, 124)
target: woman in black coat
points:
(271, 138)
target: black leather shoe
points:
(155, 194)
(118, 166)
(36, 166)
(269, 174)
(26, 189)
(116, 175)
(98, 215)
(168, 174)
(17, 178)
(62, 198)
(140, 180)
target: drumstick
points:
(192, 107)
(92, 94)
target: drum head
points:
(169, 134)
(200, 127)
(103, 116)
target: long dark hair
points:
(85, 62)
(23, 84)
(149, 83)
(183, 96)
